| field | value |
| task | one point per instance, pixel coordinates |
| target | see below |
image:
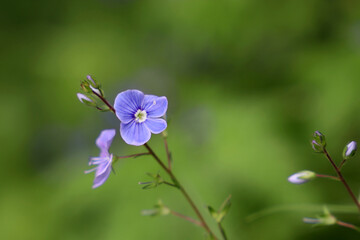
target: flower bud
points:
(83, 98)
(317, 147)
(324, 219)
(159, 210)
(349, 150)
(318, 143)
(91, 80)
(97, 91)
(89, 85)
(302, 177)
(319, 138)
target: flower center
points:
(140, 116)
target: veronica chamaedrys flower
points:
(104, 161)
(140, 115)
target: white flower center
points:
(140, 116)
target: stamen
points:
(90, 170)
(153, 104)
(140, 116)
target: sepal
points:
(157, 180)
(324, 219)
(159, 210)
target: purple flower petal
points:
(127, 103)
(135, 133)
(101, 178)
(104, 141)
(155, 106)
(156, 125)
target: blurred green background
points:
(247, 83)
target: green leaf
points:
(223, 210)
(212, 212)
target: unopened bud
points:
(317, 147)
(302, 177)
(83, 98)
(91, 80)
(95, 90)
(349, 150)
(319, 138)
(89, 85)
(324, 219)
(159, 210)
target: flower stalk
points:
(187, 218)
(342, 179)
(183, 191)
(327, 176)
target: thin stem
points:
(328, 176)
(187, 218)
(222, 231)
(168, 154)
(105, 101)
(183, 191)
(223, 234)
(133, 155)
(347, 225)
(170, 184)
(342, 179)
(342, 163)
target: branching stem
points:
(172, 176)
(183, 191)
(342, 179)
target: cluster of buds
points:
(319, 145)
(91, 91)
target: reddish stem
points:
(327, 176)
(168, 154)
(105, 101)
(342, 164)
(347, 225)
(187, 218)
(133, 155)
(342, 179)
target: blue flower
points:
(104, 161)
(140, 115)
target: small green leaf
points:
(224, 208)
(212, 212)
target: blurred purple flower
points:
(104, 161)
(140, 115)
